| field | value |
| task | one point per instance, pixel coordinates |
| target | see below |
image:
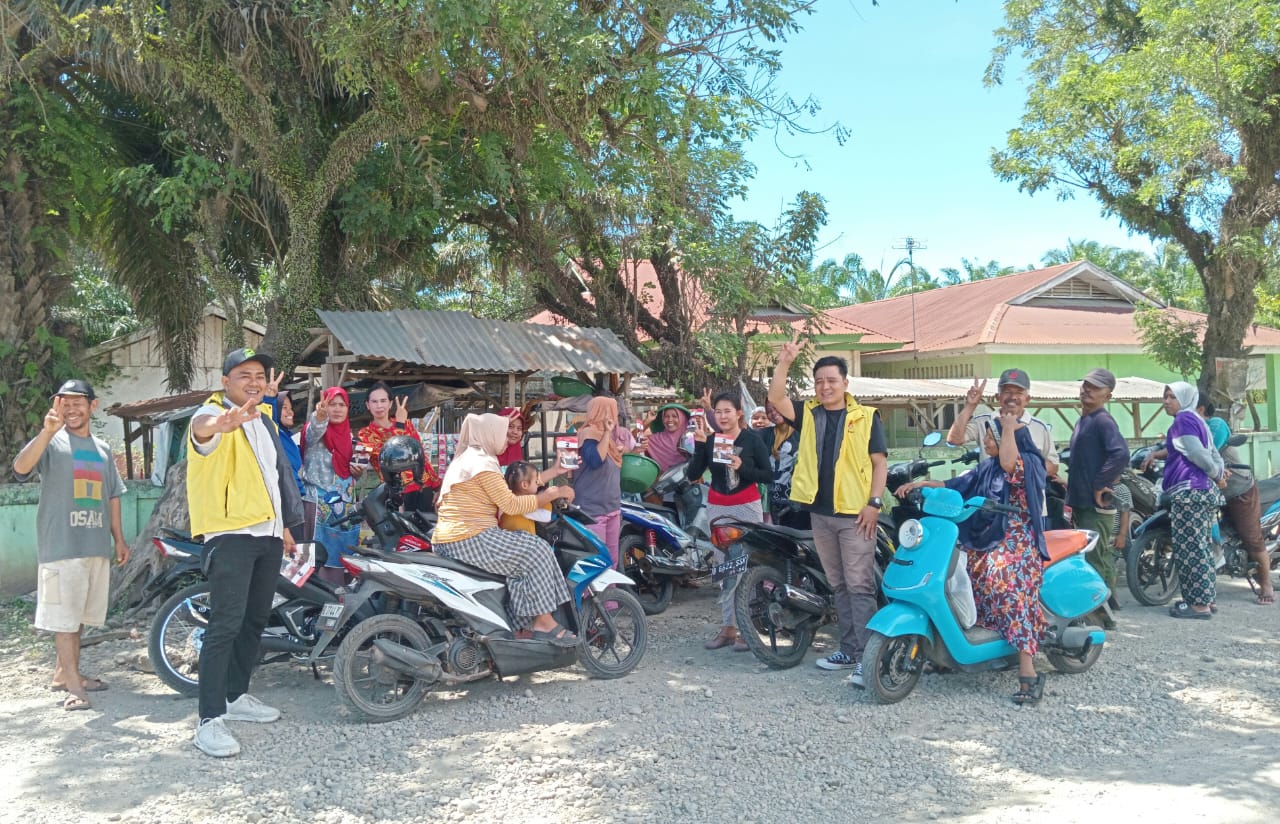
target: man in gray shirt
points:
(77, 521)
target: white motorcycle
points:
(443, 623)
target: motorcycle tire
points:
(1150, 571)
(375, 692)
(1070, 665)
(761, 618)
(613, 633)
(176, 636)
(652, 591)
(891, 667)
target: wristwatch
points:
(876, 502)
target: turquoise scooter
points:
(920, 622)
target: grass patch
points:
(16, 631)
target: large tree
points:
(1169, 114)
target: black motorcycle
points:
(784, 595)
(178, 629)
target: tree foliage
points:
(1166, 112)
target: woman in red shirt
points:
(374, 435)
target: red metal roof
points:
(983, 312)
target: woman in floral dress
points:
(1006, 552)
(1006, 580)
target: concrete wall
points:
(18, 529)
(141, 373)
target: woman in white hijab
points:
(1193, 476)
(471, 495)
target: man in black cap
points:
(77, 522)
(1099, 455)
(244, 502)
(1014, 390)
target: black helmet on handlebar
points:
(401, 453)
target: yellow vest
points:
(225, 489)
(853, 463)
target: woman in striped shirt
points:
(471, 495)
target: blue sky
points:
(905, 77)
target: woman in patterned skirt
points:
(471, 495)
(1006, 553)
(1193, 474)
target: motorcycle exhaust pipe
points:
(1081, 638)
(803, 601)
(666, 566)
(406, 660)
(276, 643)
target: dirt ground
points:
(1177, 721)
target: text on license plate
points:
(331, 611)
(733, 566)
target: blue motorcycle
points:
(920, 622)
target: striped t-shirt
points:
(472, 506)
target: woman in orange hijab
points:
(597, 483)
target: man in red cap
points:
(77, 522)
(1014, 390)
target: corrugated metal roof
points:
(1127, 389)
(155, 409)
(457, 340)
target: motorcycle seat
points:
(1268, 491)
(439, 561)
(1063, 543)
(802, 535)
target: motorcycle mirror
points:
(932, 439)
(1237, 440)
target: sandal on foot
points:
(90, 685)
(722, 639)
(559, 636)
(1265, 599)
(1183, 610)
(1030, 690)
(75, 702)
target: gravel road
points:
(1178, 721)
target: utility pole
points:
(911, 244)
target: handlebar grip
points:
(995, 507)
(932, 464)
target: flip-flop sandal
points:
(559, 637)
(74, 703)
(1030, 690)
(90, 685)
(1265, 600)
(1183, 610)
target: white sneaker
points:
(213, 738)
(248, 708)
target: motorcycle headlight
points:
(910, 534)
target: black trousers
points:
(242, 580)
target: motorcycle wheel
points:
(613, 633)
(761, 619)
(176, 636)
(369, 689)
(1074, 666)
(652, 591)
(1150, 570)
(891, 667)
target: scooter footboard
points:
(898, 619)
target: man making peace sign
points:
(243, 501)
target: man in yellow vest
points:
(244, 502)
(839, 476)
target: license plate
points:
(329, 615)
(733, 566)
